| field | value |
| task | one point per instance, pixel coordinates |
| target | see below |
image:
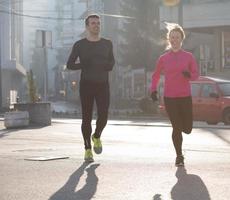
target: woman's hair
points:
(173, 27)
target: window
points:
(195, 89)
(225, 88)
(207, 89)
(226, 50)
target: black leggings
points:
(90, 91)
(179, 110)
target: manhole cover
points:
(23, 150)
(46, 158)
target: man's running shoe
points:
(97, 146)
(179, 161)
(88, 156)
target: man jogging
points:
(93, 55)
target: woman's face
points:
(175, 39)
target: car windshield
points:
(225, 88)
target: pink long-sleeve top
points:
(171, 64)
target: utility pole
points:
(44, 41)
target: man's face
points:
(93, 26)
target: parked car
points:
(211, 100)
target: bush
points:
(31, 87)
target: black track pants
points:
(89, 92)
(180, 114)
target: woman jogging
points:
(178, 67)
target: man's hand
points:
(154, 96)
(186, 74)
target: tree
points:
(141, 35)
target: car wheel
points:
(212, 123)
(226, 117)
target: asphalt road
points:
(137, 163)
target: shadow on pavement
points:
(157, 197)
(68, 191)
(5, 132)
(220, 136)
(189, 186)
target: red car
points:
(211, 100)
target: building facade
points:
(207, 23)
(40, 18)
(11, 54)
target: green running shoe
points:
(88, 156)
(97, 146)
